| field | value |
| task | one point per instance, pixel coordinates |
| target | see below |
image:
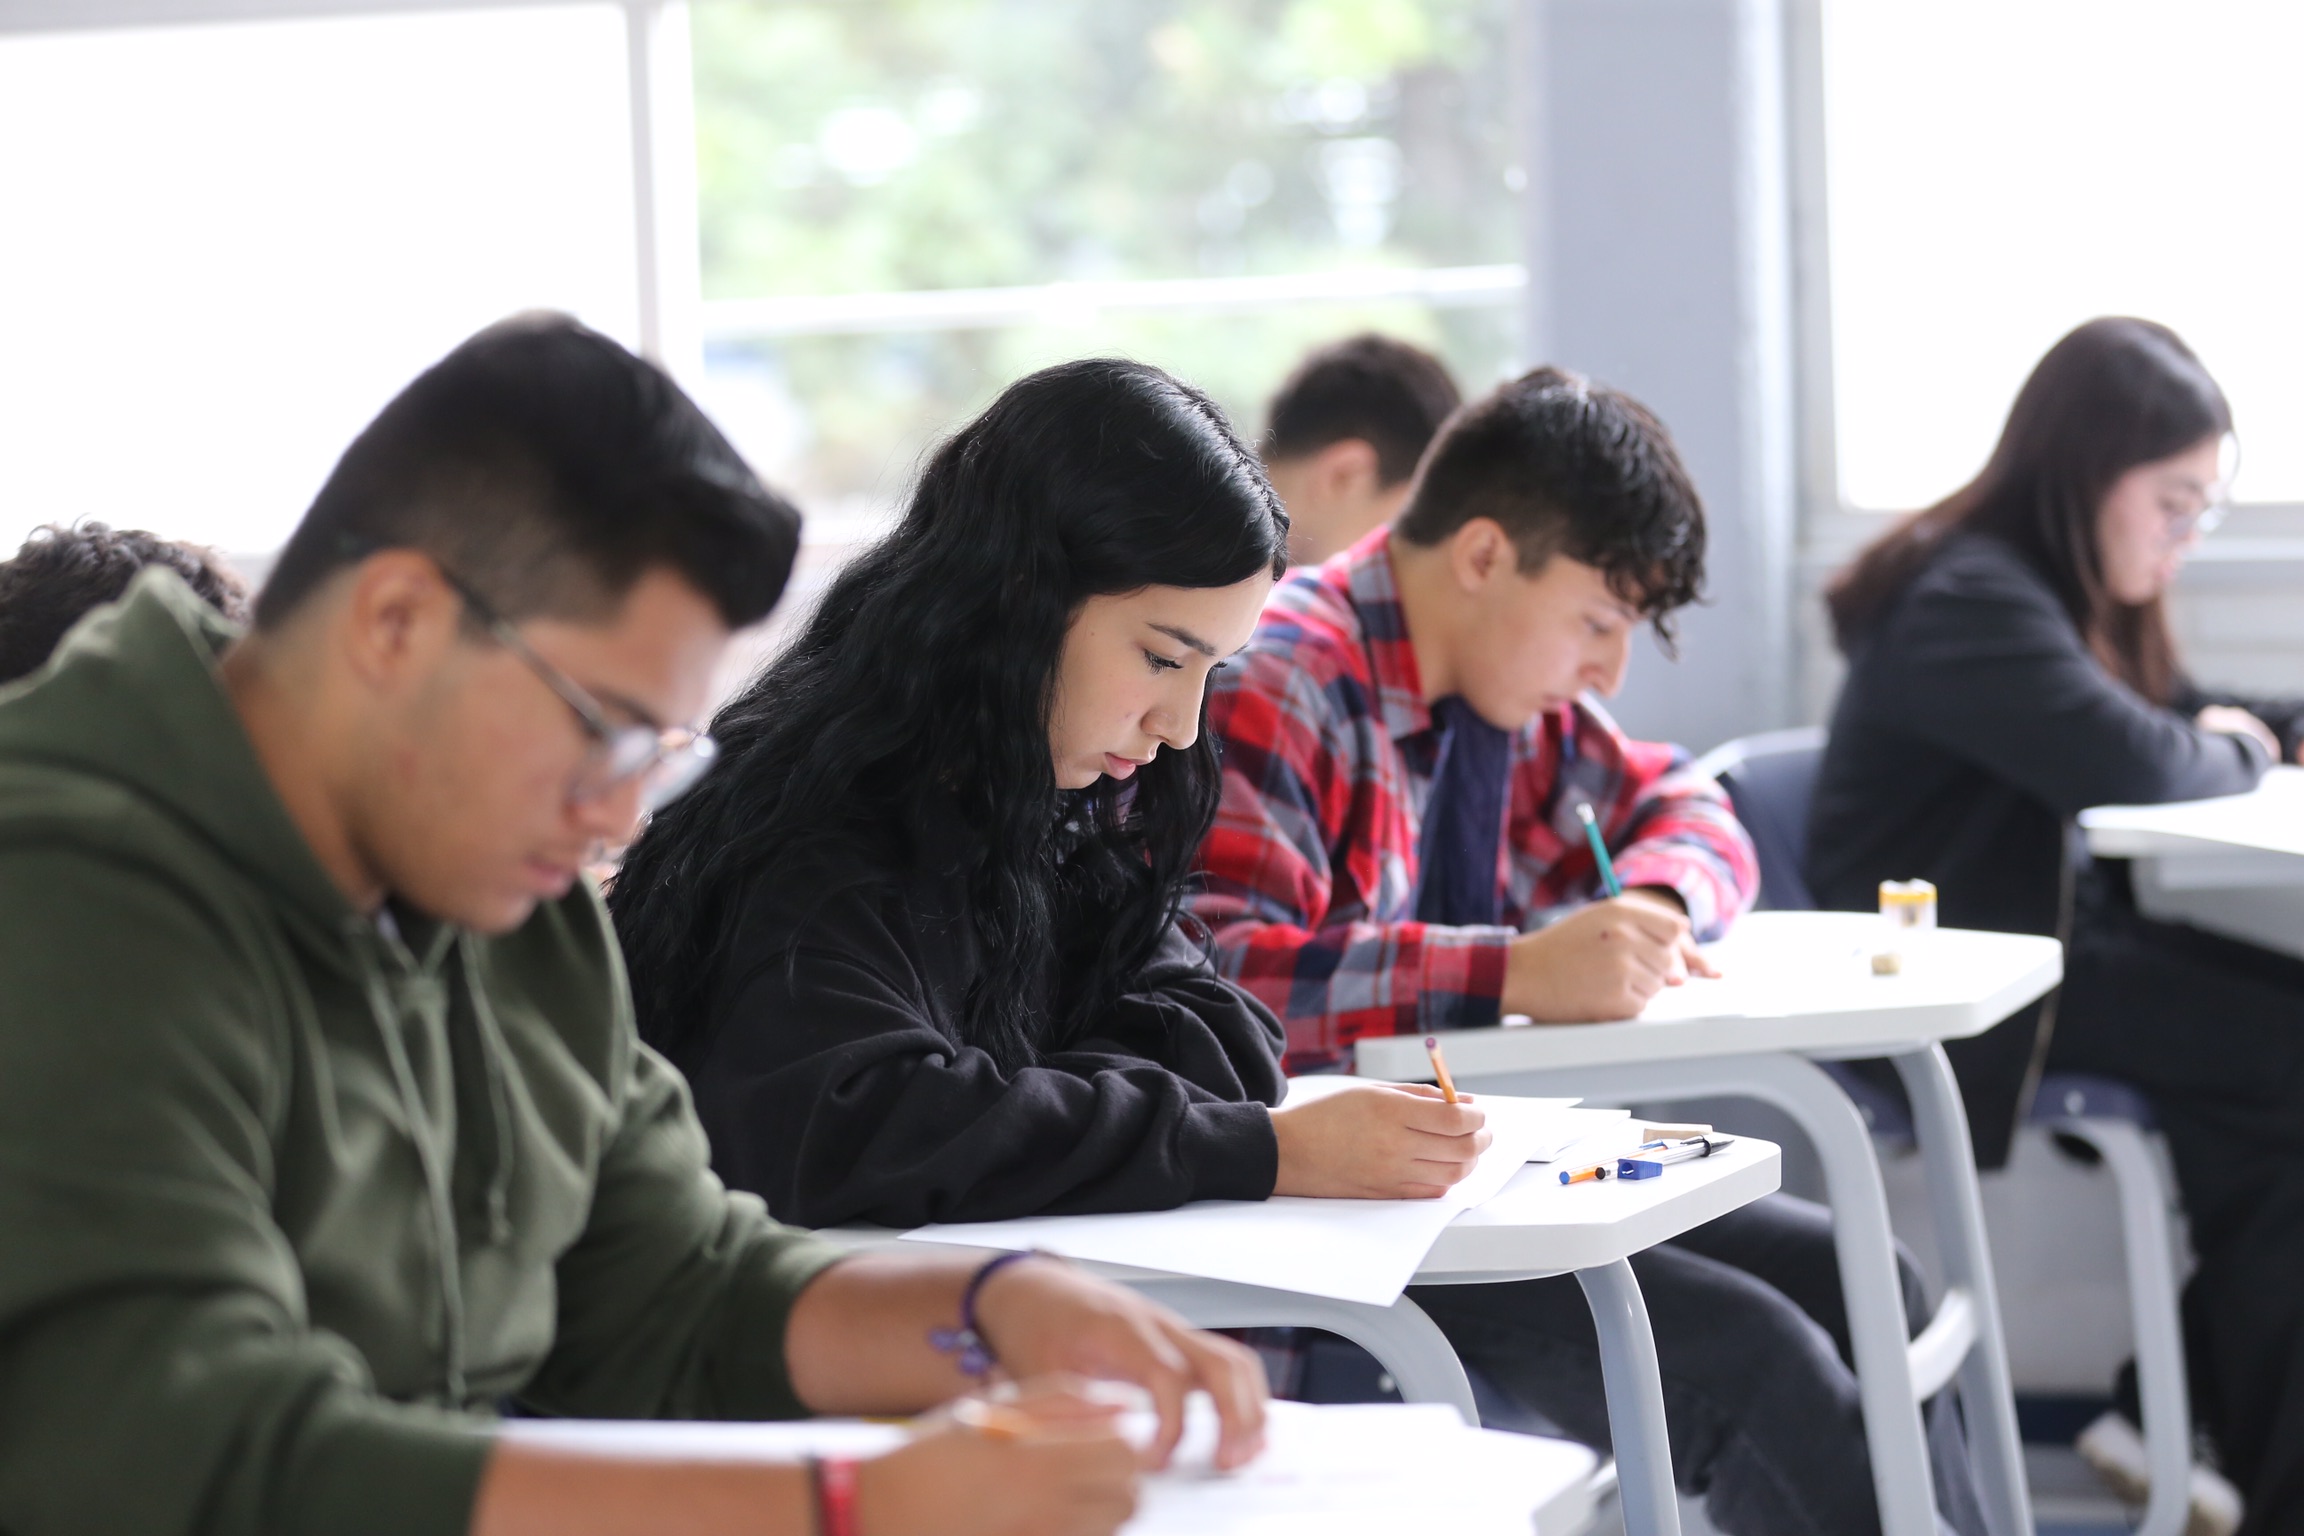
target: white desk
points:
(2233, 866)
(1536, 1228)
(1799, 989)
(1363, 1470)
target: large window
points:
(904, 206)
(226, 245)
(2003, 169)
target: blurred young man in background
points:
(1344, 434)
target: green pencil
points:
(1599, 851)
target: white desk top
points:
(1539, 1226)
(1795, 981)
(2267, 820)
(1576, 1226)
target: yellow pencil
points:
(1440, 1067)
(997, 1420)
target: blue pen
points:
(1650, 1160)
(1599, 851)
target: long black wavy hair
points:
(930, 667)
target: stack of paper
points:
(1378, 1470)
(1351, 1250)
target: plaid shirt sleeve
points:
(1303, 880)
(1664, 825)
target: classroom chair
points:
(1771, 779)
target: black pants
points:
(1759, 1394)
(2213, 1031)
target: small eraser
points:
(1673, 1132)
(1887, 962)
(1637, 1168)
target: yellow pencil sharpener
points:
(1907, 910)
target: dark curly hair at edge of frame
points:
(63, 572)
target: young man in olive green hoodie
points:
(324, 1131)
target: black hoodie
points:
(833, 1080)
(1973, 727)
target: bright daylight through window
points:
(904, 207)
(2001, 170)
(228, 244)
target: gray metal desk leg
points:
(1987, 1393)
(1635, 1400)
(1860, 1237)
(2146, 1233)
(1402, 1336)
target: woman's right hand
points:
(1070, 1474)
(2230, 720)
(1381, 1141)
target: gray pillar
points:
(1660, 261)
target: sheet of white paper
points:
(1352, 1250)
(1375, 1470)
(1370, 1470)
(1564, 1133)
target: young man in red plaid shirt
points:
(1406, 743)
(1495, 595)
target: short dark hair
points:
(551, 469)
(1569, 467)
(61, 573)
(1386, 393)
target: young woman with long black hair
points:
(2009, 665)
(916, 941)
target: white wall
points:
(1661, 264)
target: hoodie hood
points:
(132, 696)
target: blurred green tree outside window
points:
(886, 146)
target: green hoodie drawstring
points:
(492, 1056)
(436, 1185)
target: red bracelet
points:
(834, 1478)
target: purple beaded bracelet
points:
(968, 1341)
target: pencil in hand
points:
(1607, 866)
(997, 1421)
(1440, 1068)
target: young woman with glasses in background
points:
(2009, 665)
